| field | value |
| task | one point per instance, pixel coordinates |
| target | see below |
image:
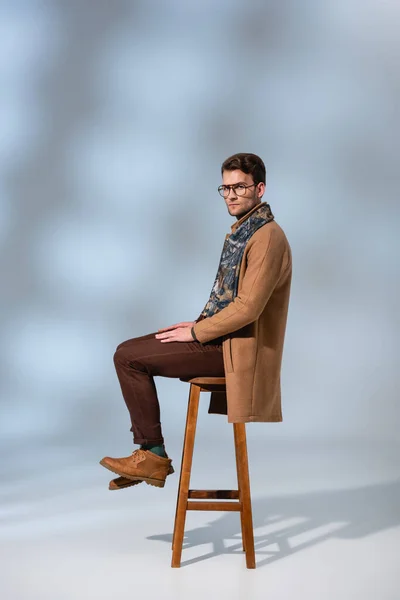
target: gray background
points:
(115, 118)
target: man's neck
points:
(243, 214)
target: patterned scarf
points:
(225, 286)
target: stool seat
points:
(205, 380)
(238, 500)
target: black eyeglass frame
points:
(233, 187)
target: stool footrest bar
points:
(229, 506)
(225, 494)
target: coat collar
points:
(246, 216)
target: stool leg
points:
(245, 497)
(183, 491)
(239, 485)
(180, 474)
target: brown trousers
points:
(139, 359)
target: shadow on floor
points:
(310, 517)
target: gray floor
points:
(326, 522)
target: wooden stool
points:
(208, 384)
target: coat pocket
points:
(227, 350)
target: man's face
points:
(239, 205)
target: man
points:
(239, 334)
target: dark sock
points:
(160, 450)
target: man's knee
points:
(134, 342)
(136, 352)
(121, 345)
(129, 355)
(121, 353)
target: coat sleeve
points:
(265, 264)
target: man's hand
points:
(180, 332)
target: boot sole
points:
(148, 480)
(122, 486)
(134, 482)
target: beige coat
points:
(253, 329)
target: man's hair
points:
(251, 164)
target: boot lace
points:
(138, 455)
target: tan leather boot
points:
(141, 465)
(120, 483)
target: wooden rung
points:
(229, 506)
(225, 494)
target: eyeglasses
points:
(238, 188)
